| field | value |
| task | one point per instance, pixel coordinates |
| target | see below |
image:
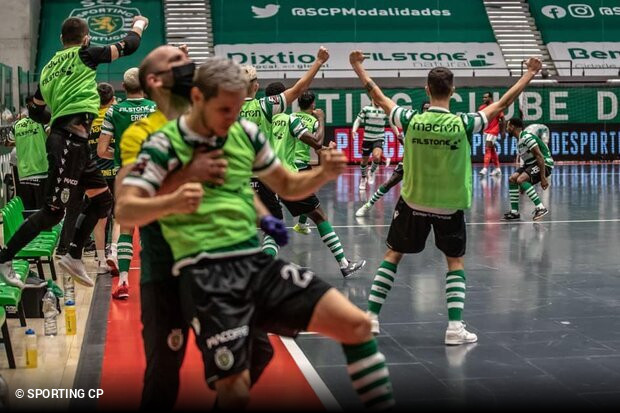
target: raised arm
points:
(356, 58)
(495, 108)
(303, 83)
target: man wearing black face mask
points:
(69, 88)
(166, 76)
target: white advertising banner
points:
(589, 58)
(276, 60)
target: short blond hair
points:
(219, 73)
(250, 73)
(131, 80)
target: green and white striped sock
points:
(381, 286)
(455, 294)
(363, 168)
(529, 190)
(369, 375)
(303, 219)
(374, 167)
(331, 240)
(513, 190)
(125, 255)
(270, 247)
(377, 195)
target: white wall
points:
(19, 26)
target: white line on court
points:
(570, 221)
(315, 381)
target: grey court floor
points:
(542, 297)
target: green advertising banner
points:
(577, 21)
(553, 106)
(108, 20)
(303, 21)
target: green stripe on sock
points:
(373, 306)
(124, 252)
(302, 219)
(333, 241)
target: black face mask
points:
(183, 78)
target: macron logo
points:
(269, 10)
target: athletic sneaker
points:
(112, 263)
(121, 292)
(456, 336)
(371, 177)
(512, 216)
(539, 213)
(483, 171)
(496, 172)
(374, 323)
(60, 251)
(363, 210)
(75, 267)
(352, 268)
(8, 275)
(33, 281)
(302, 228)
(102, 268)
(90, 248)
(363, 183)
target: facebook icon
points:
(553, 11)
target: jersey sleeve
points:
(401, 117)
(361, 116)
(155, 161)
(474, 122)
(315, 126)
(296, 127)
(273, 105)
(108, 121)
(265, 159)
(529, 141)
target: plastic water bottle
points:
(31, 349)
(69, 286)
(70, 318)
(49, 303)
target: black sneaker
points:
(90, 247)
(352, 268)
(511, 216)
(60, 251)
(33, 281)
(539, 213)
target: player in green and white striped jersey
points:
(374, 120)
(536, 157)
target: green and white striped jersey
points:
(374, 120)
(225, 223)
(527, 141)
(287, 131)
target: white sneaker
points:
(112, 262)
(363, 183)
(8, 275)
(374, 323)
(496, 172)
(363, 210)
(483, 171)
(371, 177)
(459, 335)
(102, 268)
(76, 269)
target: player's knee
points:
(376, 157)
(360, 328)
(101, 204)
(233, 392)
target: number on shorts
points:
(299, 279)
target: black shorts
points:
(70, 167)
(232, 300)
(268, 198)
(272, 201)
(410, 228)
(305, 206)
(534, 172)
(369, 146)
